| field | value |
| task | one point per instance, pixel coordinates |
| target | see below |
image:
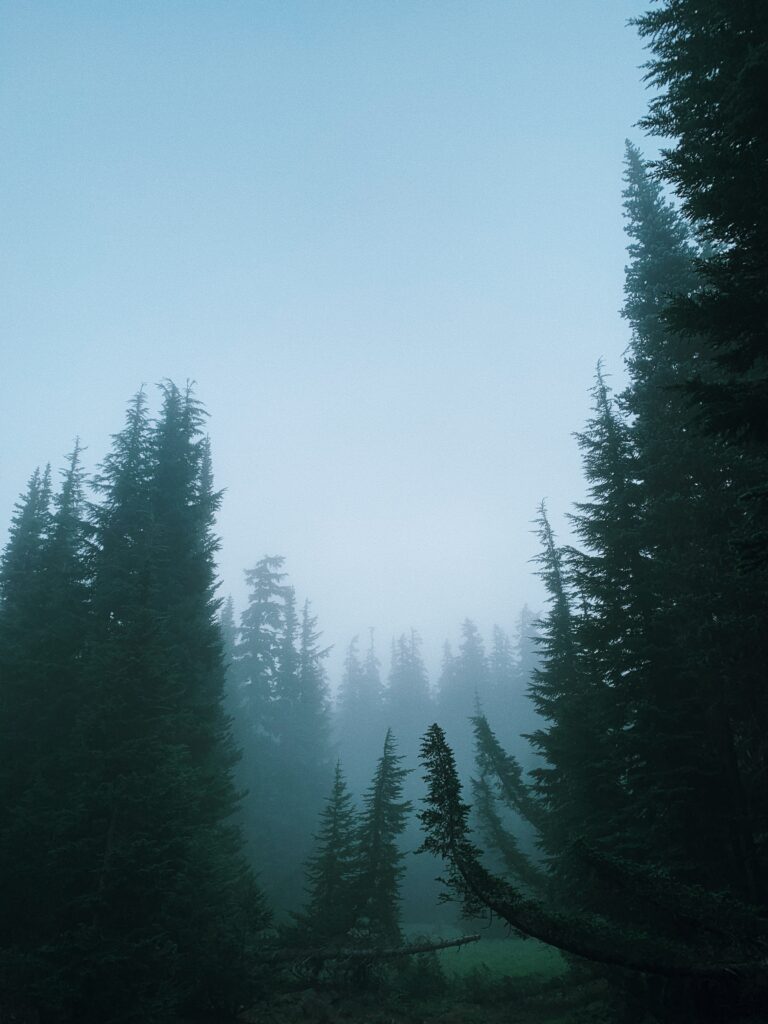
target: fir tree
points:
(407, 700)
(465, 680)
(282, 722)
(169, 882)
(329, 912)
(694, 683)
(708, 63)
(379, 861)
(43, 622)
(359, 716)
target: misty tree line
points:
(292, 733)
(151, 753)
(157, 759)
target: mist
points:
(383, 538)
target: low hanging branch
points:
(374, 953)
(445, 823)
(723, 916)
(494, 761)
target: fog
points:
(385, 241)
(400, 566)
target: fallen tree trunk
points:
(373, 953)
(445, 822)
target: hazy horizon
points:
(385, 241)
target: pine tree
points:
(687, 953)
(169, 884)
(407, 700)
(302, 751)
(511, 666)
(696, 687)
(22, 589)
(708, 63)
(329, 912)
(359, 717)
(504, 807)
(43, 622)
(253, 680)
(282, 723)
(379, 861)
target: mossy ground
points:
(494, 981)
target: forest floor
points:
(494, 981)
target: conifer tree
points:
(329, 912)
(379, 861)
(359, 713)
(282, 723)
(407, 700)
(253, 680)
(43, 622)
(169, 882)
(511, 666)
(708, 64)
(697, 690)
(22, 590)
(302, 753)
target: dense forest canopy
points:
(197, 820)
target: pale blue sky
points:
(384, 238)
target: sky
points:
(383, 237)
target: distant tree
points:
(371, 681)
(407, 700)
(261, 642)
(359, 711)
(350, 698)
(280, 702)
(502, 672)
(511, 665)
(302, 747)
(464, 681)
(252, 682)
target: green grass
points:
(500, 957)
(504, 958)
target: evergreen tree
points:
(43, 622)
(329, 912)
(302, 752)
(171, 907)
(359, 711)
(504, 807)
(709, 62)
(511, 667)
(696, 687)
(23, 593)
(253, 680)
(262, 642)
(608, 574)
(282, 722)
(464, 682)
(379, 861)
(407, 700)
(556, 693)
